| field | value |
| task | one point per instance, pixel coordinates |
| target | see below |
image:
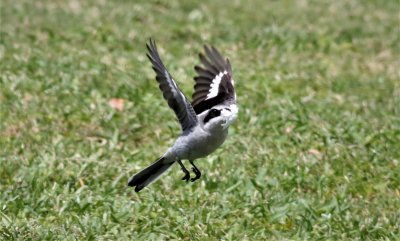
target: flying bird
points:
(204, 121)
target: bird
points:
(204, 121)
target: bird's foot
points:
(187, 175)
(185, 171)
(197, 173)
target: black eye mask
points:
(213, 113)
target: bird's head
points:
(219, 117)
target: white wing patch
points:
(214, 86)
(172, 84)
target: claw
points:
(197, 173)
(186, 177)
(185, 171)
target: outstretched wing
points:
(174, 96)
(214, 82)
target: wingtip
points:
(229, 65)
(152, 54)
(217, 54)
(214, 49)
(206, 48)
(151, 44)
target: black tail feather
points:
(149, 174)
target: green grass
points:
(314, 154)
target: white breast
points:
(197, 144)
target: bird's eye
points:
(211, 114)
(214, 112)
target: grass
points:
(314, 154)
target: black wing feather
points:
(174, 96)
(214, 68)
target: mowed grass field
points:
(313, 155)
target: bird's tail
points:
(150, 174)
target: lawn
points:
(314, 154)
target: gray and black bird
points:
(204, 121)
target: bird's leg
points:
(187, 174)
(196, 172)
